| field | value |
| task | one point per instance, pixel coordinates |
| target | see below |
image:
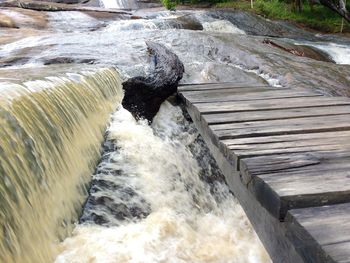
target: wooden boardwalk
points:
(285, 154)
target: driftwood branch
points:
(144, 95)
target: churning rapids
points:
(161, 171)
(156, 194)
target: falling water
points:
(188, 213)
(50, 138)
(338, 52)
(119, 4)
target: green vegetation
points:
(169, 4)
(316, 17)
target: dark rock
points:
(144, 95)
(68, 60)
(111, 200)
(62, 1)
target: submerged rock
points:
(68, 60)
(144, 95)
(111, 200)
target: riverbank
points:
(315, 17)
(312, 18)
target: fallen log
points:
(144, 95)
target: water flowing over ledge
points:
(166, 171)
(50, 134)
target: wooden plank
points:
(211, 86)
(229, 91)
(289, 103)
(285, 182)
(228, 95)
(280, 127)
(293, 151)
(323, 233)
(291, 163)
(270, 231)
(239, 148)
(261, 115)
(333, 141)
(339, 252)
(304, 137)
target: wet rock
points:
(6, 21)
(209, 169)
(53, 6)
(189, 22)
(299, 50)
(111, 200)
(15, 60)
(144, 95)
(68, 60)
(64, 1)
(22, 18)
(258, 26)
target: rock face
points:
(144, 95)
(258, 26)
(22, 18)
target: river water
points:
(189, 220)
(156, 194)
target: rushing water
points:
(50, 134)
(119, 4)
(189, 219)
(339, 53)
(157, 194)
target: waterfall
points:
(222, 26)
(119, 4)
(158, 196)
(50, 137)
(339, 53)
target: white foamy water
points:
(339, 53)
(222, 26)
(127, 25)
(72, 21)
(187, 222)
(119, 4)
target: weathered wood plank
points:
(215, 86)
(339, 252)
(261, 115)
(287, 103)
(280, 127)
(239, 148)
(304, 137)
(290, 144)
(270, 231)
(284, 182)
(292, 151)
(228, 95)
(324, 232)
(292, 162)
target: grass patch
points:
(318, 17)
